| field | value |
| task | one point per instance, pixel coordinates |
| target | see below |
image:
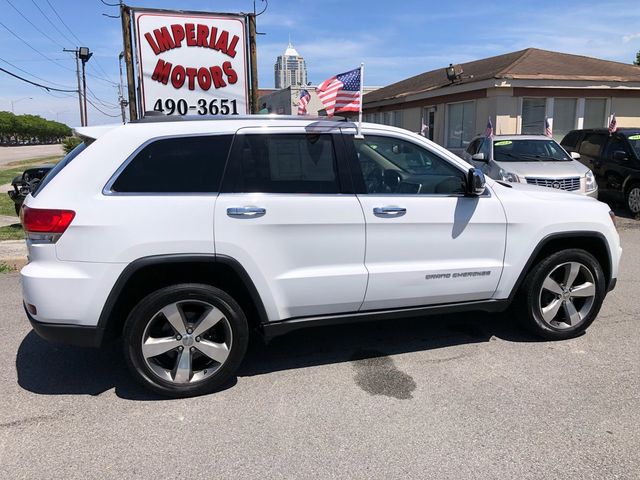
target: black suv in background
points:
(614, 160)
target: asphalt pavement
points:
(459, 397)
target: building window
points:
(533, 110)
(397, 119)
(564, 117)
(460, 124)
(594, 112)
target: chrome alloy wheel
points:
(186, 341)
(633, 200)
(567, 295)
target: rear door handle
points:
(246, 212)
(389, 211)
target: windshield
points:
(542, 150)
(59, 166)
(634, 141)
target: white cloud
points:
(631, 36)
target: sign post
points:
(191, 63)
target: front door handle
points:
(246, 212)
(389, 211)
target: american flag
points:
(489, 132)
(424, 128)
(303, 101)
(547, 128)
(613, 124)
(341, 93)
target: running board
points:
(274, 329)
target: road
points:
(458, 397)
(26, 152)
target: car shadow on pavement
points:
(53, 369)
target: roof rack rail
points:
(157, 117)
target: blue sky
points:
(394, 39)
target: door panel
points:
(443, 249)
(284, 216)
(427, 243)
(305, 253)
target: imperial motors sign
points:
(192, 63)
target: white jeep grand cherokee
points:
(180, 235)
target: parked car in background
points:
(533, 159)
(613, 158)
(26, 183)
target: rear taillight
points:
(45, 224)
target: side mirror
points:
(575, 155)
(479, 157)
(476, 183)
(620, 155)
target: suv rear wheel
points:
(185, 340)
(562, 294)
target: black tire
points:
(533, 298)
(632, 198)
(192, 302)
(17, 207)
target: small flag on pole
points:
(303, 101)
(489, 132)
(341, 93)
(613, 124)
(424, 128)
(547, 128)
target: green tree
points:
(637, 62)
(30, 128)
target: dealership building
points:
(517, 90)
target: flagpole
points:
(359, 132)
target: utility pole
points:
(121, 101)
(84, 54)
(75, 52)
(125, 15)
(253, 55)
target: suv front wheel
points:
(562, 295)
(185, 340)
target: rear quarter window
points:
(60, 165)
(176, 165)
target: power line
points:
(102, 102)
(35, 49)
(33, 24)
(62, 21)
(74, 36)
(102, 112)
(34, 83)
(31, 74)
(52, 24)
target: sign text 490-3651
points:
(203, 106)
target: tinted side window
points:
(473, 146)
(284, 163)
(395, 166)
(616, 143)
(592, 144)
(570, 140)
(176, 165)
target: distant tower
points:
(290, 68)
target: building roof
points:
(528, 64)
(290, 51)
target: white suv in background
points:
(180, 235)
(533, 159)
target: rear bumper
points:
(80, 335)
